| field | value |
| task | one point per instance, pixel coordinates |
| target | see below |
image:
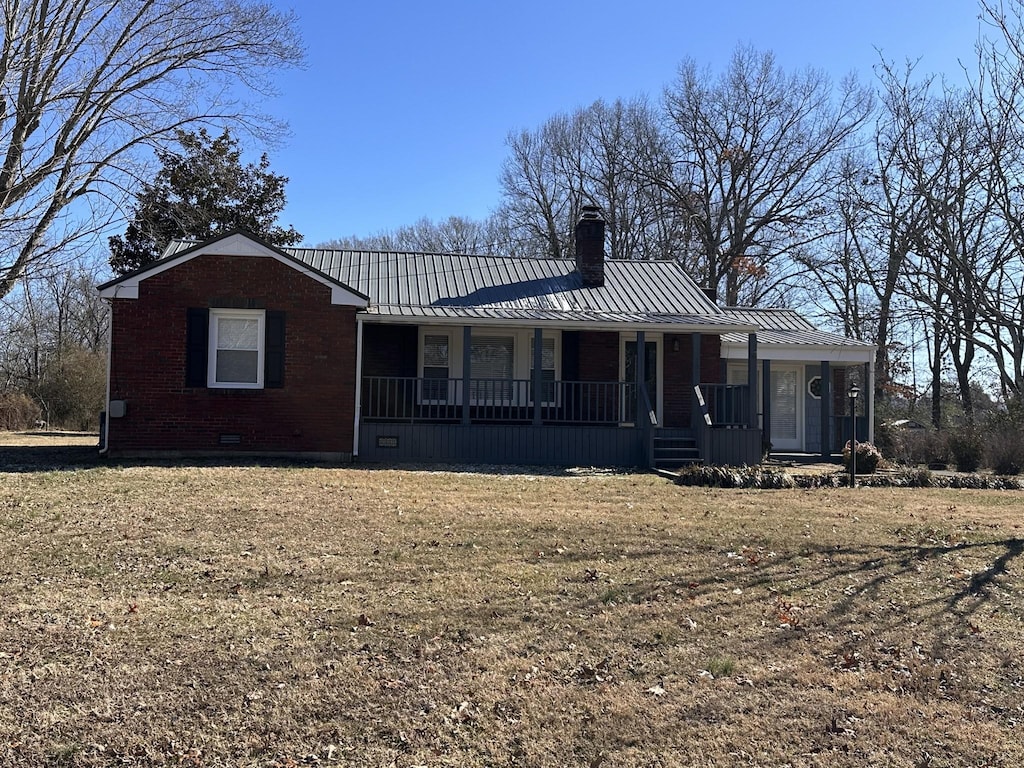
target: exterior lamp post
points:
(853, 392)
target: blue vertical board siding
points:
(499, 444)
(812, 412)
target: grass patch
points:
(203, 615)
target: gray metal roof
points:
(784, 327)
(438, 280)
(444, 286)
(459, 286)
(798, 338)
(774, 318)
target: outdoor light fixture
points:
(852, 393)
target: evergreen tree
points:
(198, 193)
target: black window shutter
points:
(273, 370)
(197, 347)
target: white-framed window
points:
(501, 365)
(435, 367)
(236, 348)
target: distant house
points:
(233, 346)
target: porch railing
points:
(728, 405)
(411, 399)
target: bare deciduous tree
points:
(456, 234)
(88, 86)
(750, 158)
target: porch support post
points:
(869, 399)
(467, 349)
(695, 416)
(752, 379)
(826, 409)
(538, 361)
(766, 403)
(641, 360)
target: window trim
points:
(216, 315)
(450, 398)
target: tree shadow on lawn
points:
(48, 458)
(875, 601)
(888, 590)
(56, 458)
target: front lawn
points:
(248, 615)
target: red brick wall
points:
(712, 370)
(390, 350)
(599, 356)
(678, 372)
(312, 412)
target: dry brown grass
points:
(251, 615)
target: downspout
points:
(105, 445)
(359, 386)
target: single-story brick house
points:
(233, 346)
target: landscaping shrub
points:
(73, 390)
(734, 477)
(1005, 450)
(868, 458)
(757, 477)
(931, 447)
(18, 411)
(968, 449)
(913, 446)
(889, 440)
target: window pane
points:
(491, 357)
(237, 366)
(238, 333)
(435, 352)
(547, 354)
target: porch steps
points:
(675, 452)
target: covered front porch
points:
(588, 398)
(803, 380)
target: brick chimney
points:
(590, 247)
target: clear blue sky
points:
(404, 107)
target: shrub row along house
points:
(235, 346)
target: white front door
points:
(786, 409)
